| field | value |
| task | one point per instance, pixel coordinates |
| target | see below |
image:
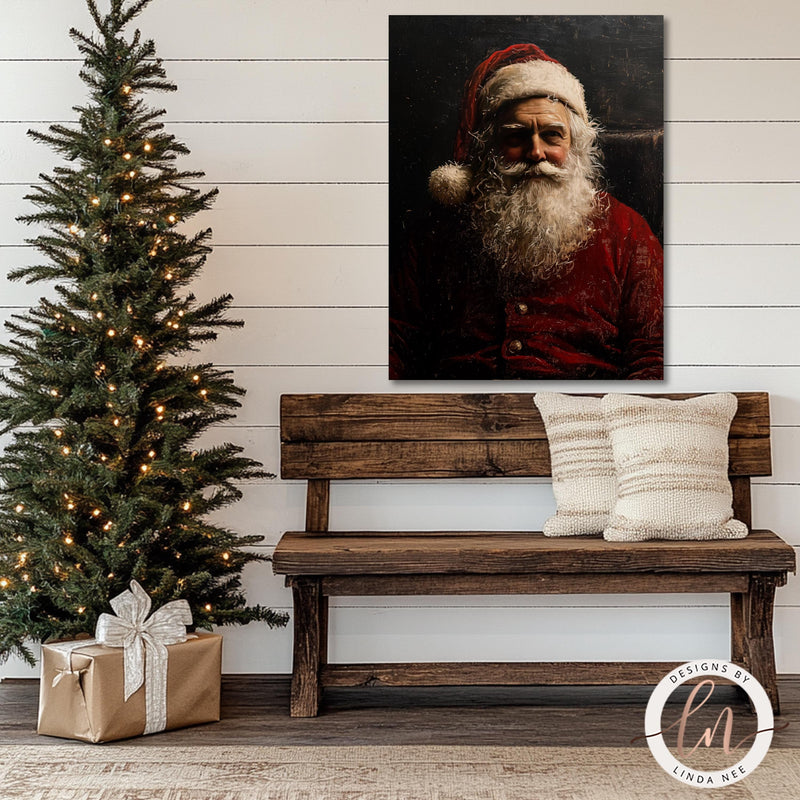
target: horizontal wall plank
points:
(224, 90)
(514, 634)
(271, 215)
(229, 152)
(358, 215)
(357, 91)
(748, 275)
(356, 152)
(757, 337)
(255, 276)
(731, 214)
(455, 505)
(309, 336)
(358, 276)
(351, 28)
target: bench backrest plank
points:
(344, 436)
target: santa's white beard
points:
(532, 218)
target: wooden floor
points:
(255, 710)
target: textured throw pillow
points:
(671, 459)
(582, 463)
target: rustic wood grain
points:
(343, 437)
(426, 458)
(759, 639)
(255, 711)
(540, 583)
(482, 673)
(742, 502)
(306, 688)
(738, 605)
(318, 501)
(363, 553)
(409, 417)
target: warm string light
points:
(19, 508)
(187, 506)
(111, 332)
(68, 540)
(147, 147)
(4, 583)
(226, 556)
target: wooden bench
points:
(435, 436)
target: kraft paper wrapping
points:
(87, 701)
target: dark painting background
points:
(619, 60)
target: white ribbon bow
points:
(144, 644)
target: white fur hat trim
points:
(450, 184)
(532, 79)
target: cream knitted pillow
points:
(582, 463)
(671, 458)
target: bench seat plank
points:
(489, 552)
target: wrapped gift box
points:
(81, 693)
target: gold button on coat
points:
(522, 308)
(514, 346)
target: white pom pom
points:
(450, 184)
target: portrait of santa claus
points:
(526, 198)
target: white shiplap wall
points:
(284, 105)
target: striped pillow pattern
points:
(671, 459)
(582, 463)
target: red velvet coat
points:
(601, 319)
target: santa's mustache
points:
(525, 169)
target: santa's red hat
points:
(518, 72)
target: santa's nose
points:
(535, 150)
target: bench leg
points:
(739, 629)
(760, 651)
(310, 628)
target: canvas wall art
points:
(526, 197)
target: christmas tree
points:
(105, 482)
